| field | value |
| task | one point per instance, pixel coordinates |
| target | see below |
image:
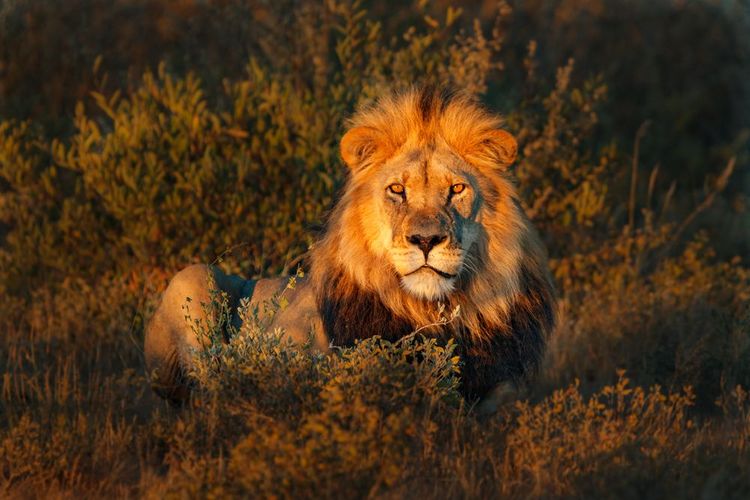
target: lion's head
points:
(426, 174)
(429, 213)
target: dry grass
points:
(644, 390)
(78, 418)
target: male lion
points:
(428, 215)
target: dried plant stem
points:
(634, 174)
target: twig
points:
(667, 201)
(721, 183)
(220, 258)
(634, 174)
(651, 186)
(294, 262)
(441, 321)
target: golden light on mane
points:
(422, 116)
(379, 271)
(505, 261)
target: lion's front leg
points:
(503, 394)
(492, 382)
(498, 371)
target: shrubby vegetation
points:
(181, 166)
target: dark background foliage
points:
(137, 136)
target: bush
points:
(164, 175)
(181, 167)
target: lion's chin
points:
(427, 284)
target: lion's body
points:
(171, 338)
(429, 215)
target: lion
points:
(429, 215)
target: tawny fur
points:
(501, 283)
(505, 295)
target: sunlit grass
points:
(643, 392)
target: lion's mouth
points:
(440, 273)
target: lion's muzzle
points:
(426, 231)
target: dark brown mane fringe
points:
(515, 350)
(350, 313)
(513, 353)
(432, 101)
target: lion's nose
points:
(426, 243)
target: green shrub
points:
(164, 175)
(178, 169)
(679, 320)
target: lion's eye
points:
(396, 188)
(458, 188)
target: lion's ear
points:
(496, 146)
(360, 144)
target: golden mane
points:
(506, 296)
(424, 115)
(501, 281)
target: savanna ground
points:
(139, 136)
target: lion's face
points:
(427, 202)
(426, 170)
(429, 212)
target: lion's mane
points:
(506, 295)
